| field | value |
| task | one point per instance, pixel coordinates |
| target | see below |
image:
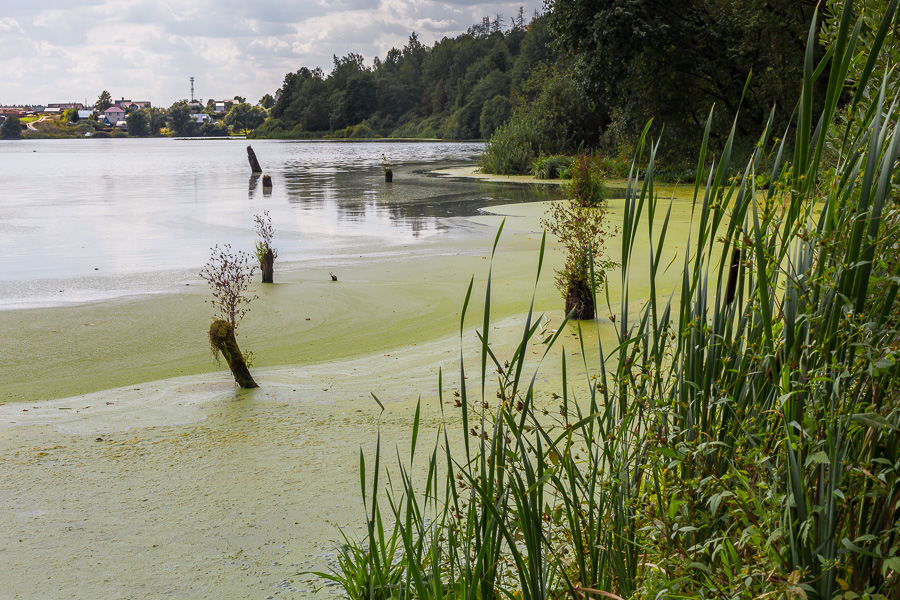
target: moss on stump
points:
(222, 340)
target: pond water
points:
(85, 220)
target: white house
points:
(85, 114)
(201, 118)
(114, 114)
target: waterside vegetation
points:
(742, 437)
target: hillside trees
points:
(672, 60)
(462, 87)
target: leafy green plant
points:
(585, 184)
(582, 231)
(555, 166)
(265, 233)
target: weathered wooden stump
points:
(580, 301)
(221, 338)
(254, 164)
(267, 181)
(267, 266)
(388, 175)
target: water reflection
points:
(105, 210)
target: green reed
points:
(741, 438)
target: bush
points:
(585, 185)
(556, 121)
(555, 166)
(511, 150)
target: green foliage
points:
(555, 166)
(211, 129)
(104, 101)
(461, 88)
(242, 117)
(157, 121)
(265, 233)
(581, 226)
(70, 115)
(742, 437)
(494, 113)
(267, 101)
(670, 62)
(361, 131)
(138, 123)
(511, 150)
(585, 184)
(180, 120)
(557, 119)
(11, 129)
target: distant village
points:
(117, 116)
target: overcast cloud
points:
(71, 50)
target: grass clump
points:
(555, 166)
(741, 439)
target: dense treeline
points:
(589, 74)
(671, 60)
(461, 88)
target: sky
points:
(71, 50)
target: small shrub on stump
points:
(265, 253)
(581, 227)
(388, 171)
(228, 276)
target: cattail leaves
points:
(741, 438)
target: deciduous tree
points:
(243, 117)
(138, 123)
(11, 128)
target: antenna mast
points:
(192, 89)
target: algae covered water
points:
(86, 220)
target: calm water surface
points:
(83, 220)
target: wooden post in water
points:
(254, 164)
(388, 175)
(267, 265)
(267, 181)
(221, 338)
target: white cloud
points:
(10, 24)
(60, 50)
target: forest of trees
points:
(461, 88)
(586, 74)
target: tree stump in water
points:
(388, 175)
(221, 338)
(580, 301)
(268, 267)
(254, 164)
(267, 181)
